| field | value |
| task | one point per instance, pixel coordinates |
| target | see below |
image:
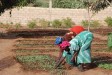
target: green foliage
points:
(56, 23)
(1, 25)
(67, 22)
(40, 3)
(68, 4)
(11, 23)
(109, 43)
(84, 23)
(17, 25)
(100, 4)
(93, 23)
(31, 24)
(95, 5)
(105, 66)
(8, 4)
(22, 2)
(8, 25)
(44, 23)
(27, 51)
(37, 62)
(108, 20)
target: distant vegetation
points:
(96, 5)
(58, 3)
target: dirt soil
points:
(9, 66)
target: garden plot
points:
(29, 51)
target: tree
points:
(9, 4)
(95, 6)
(100, 4)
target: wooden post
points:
(89, 19)
(50, 11)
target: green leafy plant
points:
(37, 62)
(18, 25)
(11, 23)
(8, 25)
(40, 3)
(1, 25)
(44, 23)
(108, 20)
(93, 23)
(105, 66)
(68, 4)
(56, 23)
(67, 22)
(31, 24)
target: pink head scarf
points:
(64, 44)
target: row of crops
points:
(33, 54)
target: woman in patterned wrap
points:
(80, 46)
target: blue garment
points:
(58, 40)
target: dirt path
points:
(8, 65)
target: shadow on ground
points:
(7, 62)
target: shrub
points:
(56, 23)
(17, 25)
(40, 3)
(1, 25)
(84, 23)
(93, 23)
(44, 23)
(32, 24)
(67, 22)
(68, 4)
(108, 20)
(9, 25)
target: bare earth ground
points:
(8, 65)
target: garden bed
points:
(37, 62)
(30, 52)
(103, 60)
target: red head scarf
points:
(77, 29)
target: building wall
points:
(25, 14)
